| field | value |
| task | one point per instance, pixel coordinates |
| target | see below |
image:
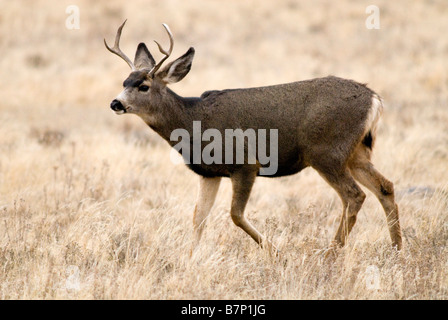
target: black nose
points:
(116, 105)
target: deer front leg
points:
(242, 183)
(208, 188)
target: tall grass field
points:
(91, 207)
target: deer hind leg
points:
(352, 198)
(364, 172)
(242, 182)
(208, 188)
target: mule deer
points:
(326, 123)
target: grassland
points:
(92, 208)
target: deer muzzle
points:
(117, 106)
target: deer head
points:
(145, 88)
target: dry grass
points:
(91, 208)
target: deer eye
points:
(143, 88)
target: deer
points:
(328, 124)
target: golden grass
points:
(91, 207)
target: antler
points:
(116, 48)
(166, 53)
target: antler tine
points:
(166, 53)
(116, 48)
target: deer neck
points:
(174, 112)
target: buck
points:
(327, 123)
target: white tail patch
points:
(374, 115)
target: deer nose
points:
(117, 106)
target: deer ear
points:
(178, 69)
(143, 58)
